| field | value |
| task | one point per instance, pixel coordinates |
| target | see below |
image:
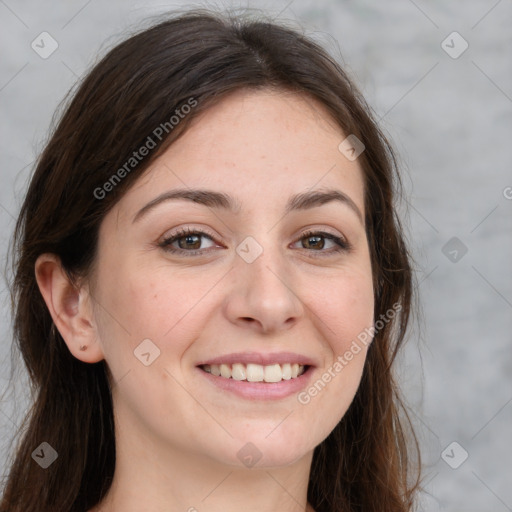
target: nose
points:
(263, 296)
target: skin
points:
(177, 435)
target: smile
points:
(255, 372)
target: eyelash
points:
(343, 245)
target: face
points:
(270, 280)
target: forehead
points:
(259, 146)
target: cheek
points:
(152, 303)
(149, 305)
(343, 313)
(345, 309)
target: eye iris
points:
(191, 242)
(318, 242)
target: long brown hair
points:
(363, 465)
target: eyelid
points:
(320, 231)
(183, 231)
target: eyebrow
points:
(213, 199)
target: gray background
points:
(450, 120)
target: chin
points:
(278, 449)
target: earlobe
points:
(70, 308)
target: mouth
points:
(258, 375)
(252, 372)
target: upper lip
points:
(262, 358)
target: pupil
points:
(189, 241)
(318, 242)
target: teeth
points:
(225, 371)
(238, 372)
(273, 373)
(256, 372)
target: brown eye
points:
(189, 242)
(313, 242)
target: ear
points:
(70, 308)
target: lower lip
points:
(260, 390)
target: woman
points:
(211, 284)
